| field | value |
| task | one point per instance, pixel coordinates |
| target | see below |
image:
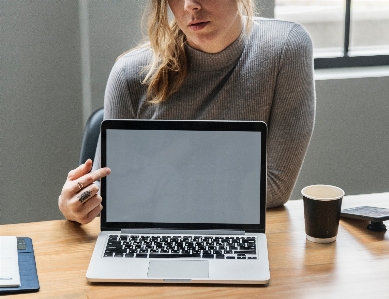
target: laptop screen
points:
(183, 176)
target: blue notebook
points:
(27, 269)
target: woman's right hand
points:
(79, 200)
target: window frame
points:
(348, 60)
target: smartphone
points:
(366, 213)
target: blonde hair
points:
(169, 66)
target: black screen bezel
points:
(185, 125)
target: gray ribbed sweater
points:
(266, 76)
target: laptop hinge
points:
(181, 232)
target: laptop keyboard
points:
(163, 246)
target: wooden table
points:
(355, 266)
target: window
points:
(345, 33)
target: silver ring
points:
(81, 186)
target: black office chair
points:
(91, 135)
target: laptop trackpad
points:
(173, 269)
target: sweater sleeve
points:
(292, 116)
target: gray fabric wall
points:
(349, 146)
(55, 57)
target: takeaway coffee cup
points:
(322, 205)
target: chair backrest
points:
(91, 135)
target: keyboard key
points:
(219, 247)
(208, 256)
(114, 243)
(172, 255)
(244, 252)
(117, 250)
(113, 248)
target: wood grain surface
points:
(356, 265)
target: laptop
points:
(185, 203)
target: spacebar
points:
(172, 255)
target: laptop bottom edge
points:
(178, 270)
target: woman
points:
(212, 62)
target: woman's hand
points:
(79, 200)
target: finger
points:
(90, 209)
(75, 203)
(86, 194)
(90, 178)
(91, 204)
(80, 170)
(93, 214)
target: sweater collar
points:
(202, 61)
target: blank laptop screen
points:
(173, 176)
